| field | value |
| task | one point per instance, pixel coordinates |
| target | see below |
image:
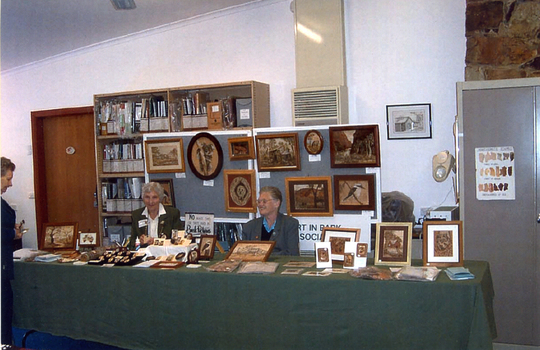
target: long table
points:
(147, 308)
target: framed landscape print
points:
(337, 238)
(251, 250)
(313, 142)
(168, 190)
(240, 193)
(164, 156)
(309, 196)
(241, 148)
(354, 192)
(412, 121)
(59, 236)
(205, 156)
(442, 243)
(393, 244)
(354, 146)
(278, 152)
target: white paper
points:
(495, 173)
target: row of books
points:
(122, 188)
(127, 117)
(123, 150)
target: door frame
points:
(38, 153)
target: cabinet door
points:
(504, 232)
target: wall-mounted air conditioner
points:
(320, 106)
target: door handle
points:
(538, 218)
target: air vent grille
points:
(319, 104)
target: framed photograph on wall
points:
(278, 152)
(354, 192)
(59, 236)
(442, 243)
(168, 190)
(411, 121)
(164, 156)
(241, 148)
(354, 146)
(240, 193)
(313, 142)
(309, 196)
(337, 237)
(205, 156)
(393, 244)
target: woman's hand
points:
(145, 240)
(18, 232)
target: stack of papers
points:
(459, 273)
(47, 257)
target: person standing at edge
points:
(10, 232)
(273, 225)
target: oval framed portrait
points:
(205, 156)
(313, 142)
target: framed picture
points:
(241, 148)
(168, 189)
(205, 156)
(354, 146)
(168, 264)
(278, 152)
(164, 156)
(240, 194)
(393, 244)
(88, 239)
(442, 243)
(251, 250)
(207, 246)
(323, 255)
(313, 142)
(309, 196)
(337, 237)
(412, 121)
(59, 236)
(354, 192)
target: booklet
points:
(459, 273)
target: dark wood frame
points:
(258, 256)
(238, 177)
(192, 158)
(369, 179)
(341, 147)
(310, 148)
(408, 134)
(406, 246)
(292, 182)
(204, 239)
(250, 148)
(68, 246)
(291, 139)
(428, 243)
(168, 187)
(327, 233)
(151, 168)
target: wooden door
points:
(65, 168)
(504, 232)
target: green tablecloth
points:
(137, 308)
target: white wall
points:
(397, 52)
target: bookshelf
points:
(121, 120)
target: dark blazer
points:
(285, 234)
(167, 222)
(8, 234)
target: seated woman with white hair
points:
(154, 220)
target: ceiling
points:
(32, 30)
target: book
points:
(459, 273)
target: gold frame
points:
(241, 148)
(293, 201)
(402, 234)
(237, 202)
(177, 147)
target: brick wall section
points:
(503, 39)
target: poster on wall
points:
(495, 173)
